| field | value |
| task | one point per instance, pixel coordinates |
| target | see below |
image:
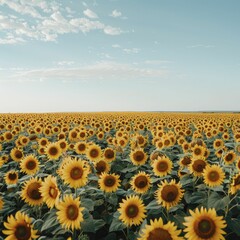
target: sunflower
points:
(24, 140)
(204, 224)
(1, 203)
(138, 156)
(198, 151)
(80, 147)
(185, 161)
(8, 136)
(94, 152)
(197, 166)
(29, 164)
(218, 143)
(16, 154)
(109, 154)
(229, 157)
(101, 166)
(141, 182)
(11, 177)
(157, 230)
(53, 151)
(132, 211)
(235, 184)
(63, 144)
(109, 182)
(19, 227)
(69, 212)
(75, 173)
(31, 192)
(213, 175)
(162, 166)
(159, 144)
(169, 194)
(238, 163)
(49, 191)
(43, 142)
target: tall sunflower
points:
(213, 175)
(16, 154)
(162, 166)
(198, 151)
(69, 212)
(138, 156)
(197, 166)
(101, 166)
(132, 211)
(49, 191)
(204, 224)
(169, 194)
(141, 182)
(75, 173)
(31, 192)
(157, 230)
(80, 147)
(19, 227)
(53, 151)
(229, 157)
(29, 164)
(11, 177)
(109, 182)
(109, 154)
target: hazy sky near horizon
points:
(119, 55)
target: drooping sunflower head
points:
(19, 227)
(162, 166)
(69, 212)
(11, 177)
(132, 211)
(109, 154)
(213, 175)
(169, 194)
(235, 184)
(204, 224)
(29, 164)
(31, 192)
(157, 230)
(229, 157)
(75, 173)
(16, 154)
(197, 166)
(53, 151)
(138, 156)
(141, 182)
(49, 191)
(109, 182)
(94, 152)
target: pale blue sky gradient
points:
(119, 55)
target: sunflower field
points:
(145, 176)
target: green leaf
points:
(153, 205)
(87, 203)
(234, 224)
(216, 201)
(117, 224)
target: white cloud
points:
(115, 13)
(89, 13)
(105, 70)
(201, 46)
(131, 50)
(112, 30)
(157, 62)
(116, 46)
(65, 63)
(10, 41)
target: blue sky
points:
(119, 55)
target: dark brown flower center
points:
(72, 212)
(31, 164)
(43, 142)
(132, 211)
(138, 156)
(162, 166)
(229, 157)
(8, 136)
(169, 193)
(23, 231)
(81, 147)
(141, 182)
(109, 153)
(109, 181)
(205, 228)
(186, 160)
(199, 165)
(33, 191)
(73, 134)
(76, 173)
(213, 176)
(101, 166)
(53, 151)
(197, 151)
(94, 153)
(12, 176)
(237, 181)
(159, 234)
(53, 192)
(63, 145)
(167, 142)
(18, 154)
(82, 134)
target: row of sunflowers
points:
(145, 176)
